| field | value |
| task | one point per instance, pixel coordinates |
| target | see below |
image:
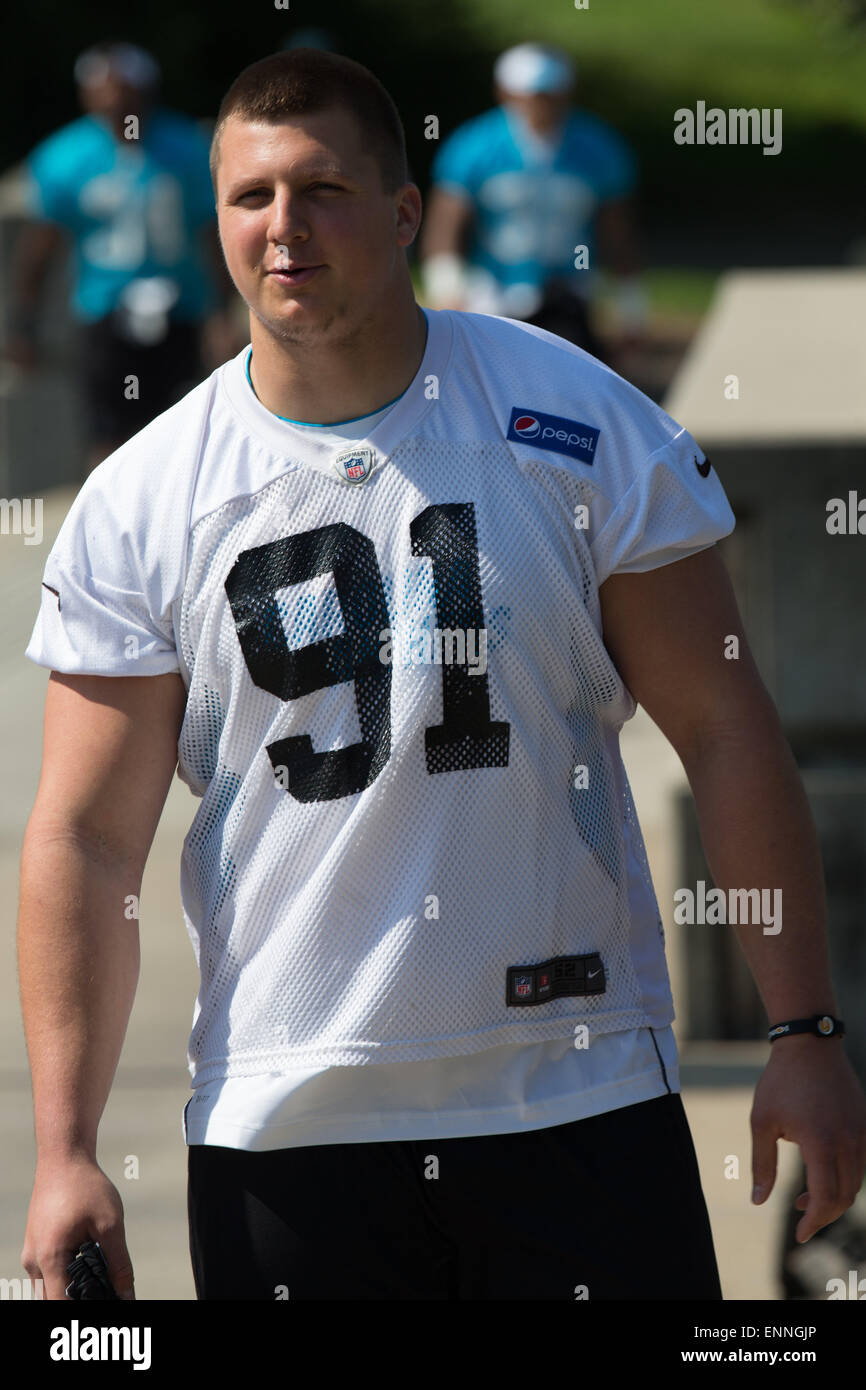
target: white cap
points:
(533, 67)
(125, 60)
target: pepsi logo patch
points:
(554, 432)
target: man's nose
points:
(288, 218)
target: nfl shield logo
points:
(523, 985)
(355, 465)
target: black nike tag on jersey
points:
(703, 468)
(563, 975)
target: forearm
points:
(78, 956)
(617, 240)
(757, 832)
(35, 251)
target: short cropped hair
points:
(300, 81)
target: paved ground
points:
(143, 1113)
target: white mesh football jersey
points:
(416, 837)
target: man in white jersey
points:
(390, 582)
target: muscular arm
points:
(444, 233)
(666, 631)
(110, 750)
(39, 244)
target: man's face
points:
(114, 98)
(304, 191)
(542, 111)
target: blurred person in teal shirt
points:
(518, 191)
(127, 188)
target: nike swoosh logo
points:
(703, 468)
(590, 974)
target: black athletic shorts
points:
(609, 1207)
(166, 371)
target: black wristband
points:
(822, 1025)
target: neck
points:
(339, 379)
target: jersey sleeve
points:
(47, 188)
(103, 609)
(617, 165)
(674, 506)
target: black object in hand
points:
(89, 1274)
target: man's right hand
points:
(84, 851)
(73, 1201)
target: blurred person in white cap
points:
(127, 187)
(518, 191)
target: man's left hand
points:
(809, 1094)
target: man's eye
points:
(326, 185)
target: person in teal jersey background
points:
(518, 191)
(127, 188)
